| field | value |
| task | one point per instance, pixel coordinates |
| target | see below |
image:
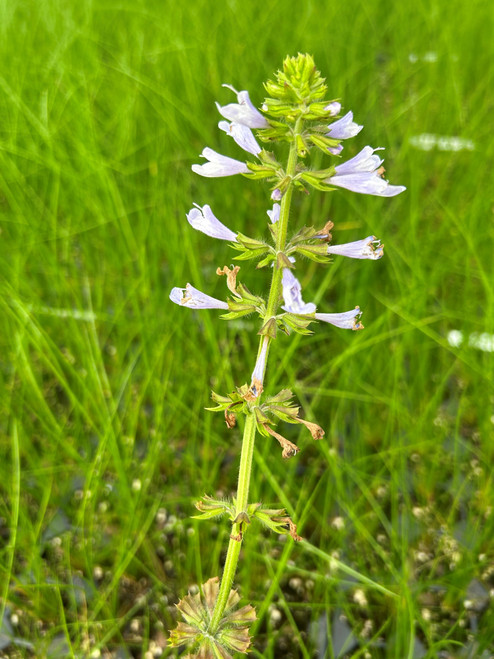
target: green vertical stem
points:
(241, 505)
(248, 440)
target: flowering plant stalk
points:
(298, 113)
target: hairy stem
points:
(248, 440)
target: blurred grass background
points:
(104, 440)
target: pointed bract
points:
(292, 295)
(242, 135)
(345, 320)
(368, 248)
(203, 219)
(219, 165)
(242, 112)
(192, 298)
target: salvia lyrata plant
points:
(296, 111)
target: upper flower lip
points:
(367, 248)
(362, 174)
(194, 299)
(219, 165)
(242, 135)
(203, 219)
(292, 295)
(243, 112)
(344, 128)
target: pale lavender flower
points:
(333, 108)
(344, 128)
(193, 299)
(203, 219)
(242, 112)
(276, 195)
(292, 295)
(274, 215)
(219, 165)
(242, 135)
(258, 372)
(345, 320)
(362, 173)
(367, 248)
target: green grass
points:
(103, 108)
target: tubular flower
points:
(193, 299)
(203, 219)
(242, 112)
(258, 372)
(362, 173)
(345, 320)
(242, 135)
(333, 108)
(276, 195)
(367, 248)
(274, 215)
(344, 128)
(292, 295)
(219, 165)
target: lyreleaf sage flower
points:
(345, 320)
(203, 219)
(193, 299)
(274, 215)
(276, 195)
(242, 112)
(292, 295)
(219, 165)
(367, 248)
(242, 135)
(344, 128)
(257, 378)
(362, 173)
(333, 108)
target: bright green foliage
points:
(104, 440)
